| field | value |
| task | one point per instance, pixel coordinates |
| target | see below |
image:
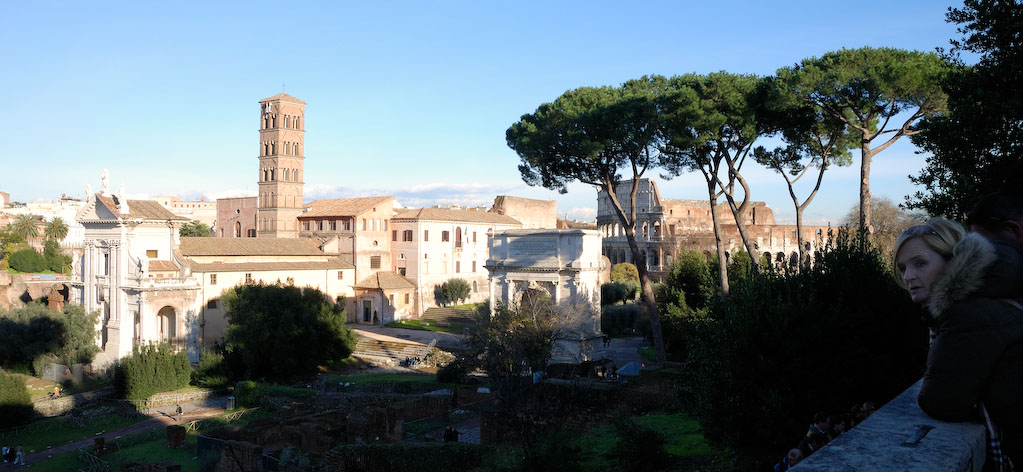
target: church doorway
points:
(367, 311)
(166, 321)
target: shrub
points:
(152, 369)
(614, 292)
(27, 260)
(245, 394)
(212, 370)
(455, 290)
(790, 343)
(625, 272)
(15, 403)
(39, 363)
(33, 330)
(619, 319)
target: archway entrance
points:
(166, 324)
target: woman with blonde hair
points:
(970, 288)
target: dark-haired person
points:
(998, 217)
(821, 425)
(970, 288)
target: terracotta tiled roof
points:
(250, 247)
(385, 281)
(138, 209)
(342, 206)
(161, 265)
(444, 214)
(282, 96)
(330, 263)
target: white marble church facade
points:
(126, 240)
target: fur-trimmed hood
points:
(978, 268)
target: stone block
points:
(176, 436)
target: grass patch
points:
(455, 327)
(467, 306)
(62, 432)
(683, 435)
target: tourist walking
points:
(19, 455)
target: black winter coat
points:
(978, 352)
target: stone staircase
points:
(447, 315)
(394, 353)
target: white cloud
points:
(582, 214)
(424, 195)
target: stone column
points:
(88, 277)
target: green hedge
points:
(15, 403)
(152, 369)
(28, 260)
(618, 319)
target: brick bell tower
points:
(281, 151)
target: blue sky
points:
(404, 98)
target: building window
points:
(391, 299)
(458, 266)
(305, 225)
(473, 236)
(406, 235)
(426, 235)
(340, 275)
(213, 279)
(475, 288)
(474, 266)
(333, 225)
(406, 298)
(321, 225)
(211, 304)
(374, 262)
(363, 227)
(383, 225)
(248, 278)
(445, 236)
(151, 253)
(394, 235)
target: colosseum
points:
(666, 227)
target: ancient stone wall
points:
(534, 214)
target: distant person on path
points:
(4, 451)
(789, 461)
(19, 457)
(178, 413)
(971, 289)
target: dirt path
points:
(158, 419)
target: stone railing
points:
(174, 398)
(900, 436)
(58, 406)
(150, 282)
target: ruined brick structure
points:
(666, 227)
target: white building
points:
(201, 211)
(151, 285)
(563, 265)
(430, 246)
